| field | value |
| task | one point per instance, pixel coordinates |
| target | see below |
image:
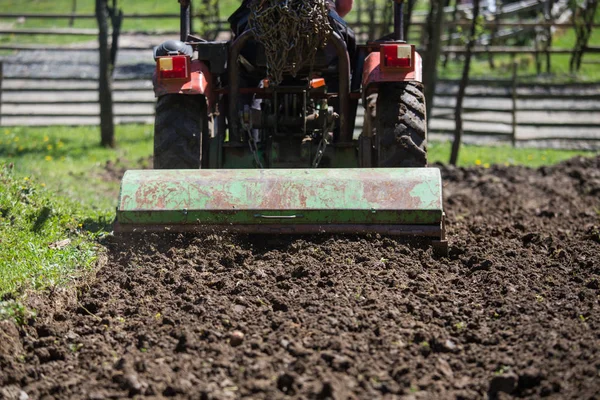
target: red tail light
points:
(397, 56)
(176, 67)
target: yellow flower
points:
(506, 164)
(6, 131)
(49, 147)
(26, 179)
(43, 185)
(48, 158)
(486, 165)
(60, 144)
(16, 139)
(477, 162)
(530, 157)
(543, 158)
(20, 148)
(46, 138)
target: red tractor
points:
(256, 134)
(217, 110)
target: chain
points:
(320, 152)
(254, 149)
(291, 31)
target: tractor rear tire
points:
(180, 125)
(400, 125)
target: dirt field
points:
(514, 310)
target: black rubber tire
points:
(400, 125)
(180, 125)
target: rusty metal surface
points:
(315, 197)
(372, 188)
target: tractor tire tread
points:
(400, 125)
(178, 129)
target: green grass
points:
(69, 161)
(32, 221)
(88, 7)
(56, 188)
(486, 156)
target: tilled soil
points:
(514, 310)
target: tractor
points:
(256, 134)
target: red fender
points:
(374, 74)
(200, 82)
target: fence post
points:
(514, 104)
(73, 12)
(1, 79)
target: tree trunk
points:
(451, 32)
(372, 23)
(462, 88)
(589, 13)
(116, 18)
(107, 128)
(73, 12)
(408, 17)
(432, 50)
(548, 19)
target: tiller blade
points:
(394, 201)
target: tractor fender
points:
(199, 83)
(373, 74)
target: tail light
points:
(173, 67)
(397, 56)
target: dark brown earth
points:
(514, 311)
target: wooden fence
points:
(494, 110)
(505, 109)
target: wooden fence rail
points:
(492, 107)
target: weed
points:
(15, 311)
(75, 347)
(502, 370)
(539, 298)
